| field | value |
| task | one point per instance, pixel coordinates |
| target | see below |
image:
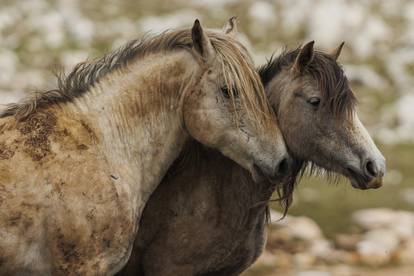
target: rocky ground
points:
(382, 242)
(338, 271)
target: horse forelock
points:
(241, 77)
(337, 96)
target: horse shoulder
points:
(65, 195)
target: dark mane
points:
(337, 96)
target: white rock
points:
(81, 28)
(372, 31)
(7, 97)
(403, 225)
(371, 254)
(213, 4)
(275, 217)
(373, 218)
(303, 260)
(70, 58)
(262, 19)
(9, 16)
(8, 66)
(52, 27)
(377, 246)
(366, 75)
(175, 20)
(344, 19)
(32, 80)
(322, 249)
(404, 107)
(263, 12)
(295, 14)
(406, 253)
(397, 63)
(385, 239)
(267, 259)
(302, 228)
(313, 273)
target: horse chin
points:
(359, 181)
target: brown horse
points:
(208, 217)
(78, 163)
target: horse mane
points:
(337, 96)
(238, 71)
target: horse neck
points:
(137, 113)
(229, 183)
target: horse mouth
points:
(363, 182)
(259, 175)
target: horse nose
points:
(372, 169)
(283, 168)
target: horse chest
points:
(247, 246)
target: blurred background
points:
(331, 229)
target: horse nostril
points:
(371, 168)
(283, 167)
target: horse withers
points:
(208, 217)
(78, 163)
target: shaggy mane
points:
(238, 72)
(337, 96)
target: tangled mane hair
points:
(337, 96)
(239, 74)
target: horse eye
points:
(314, 101)
(225, 92)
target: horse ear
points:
(201, 42)
(230, 28)
(304, 57)
(335, 53)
